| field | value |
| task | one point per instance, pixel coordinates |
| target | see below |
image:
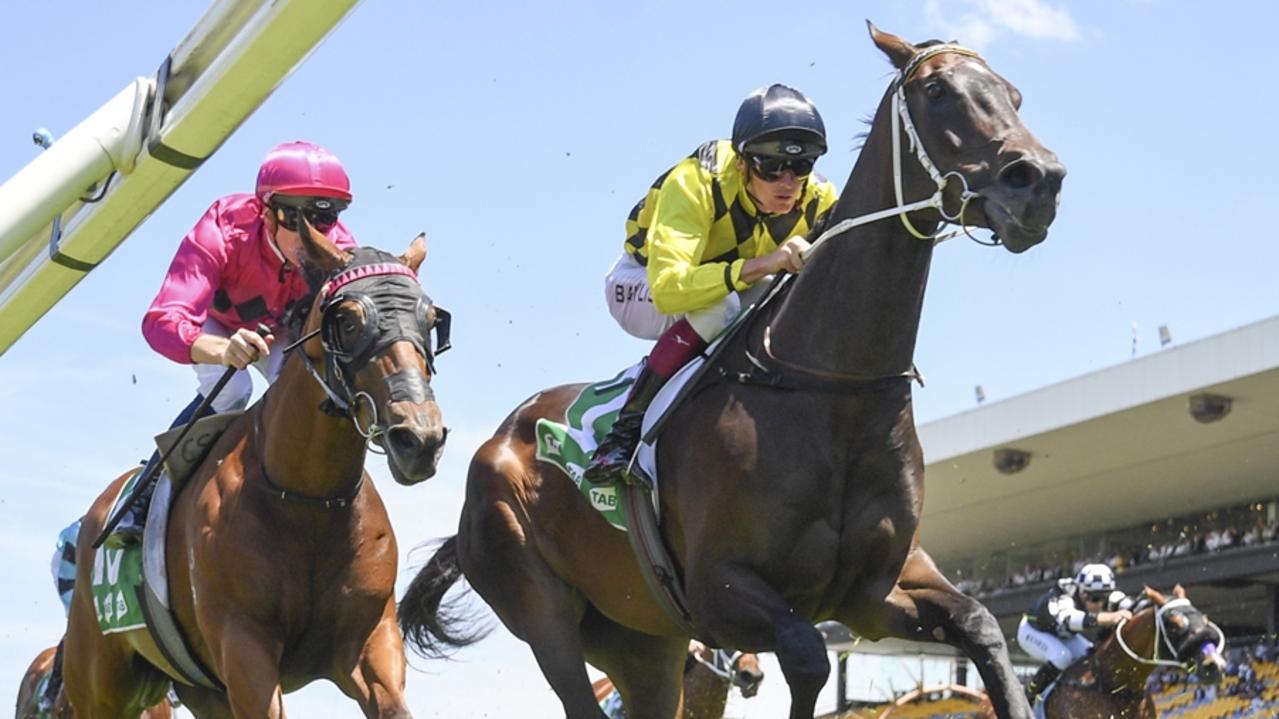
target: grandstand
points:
(1164, 466)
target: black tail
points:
(431, 626)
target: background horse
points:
(1111, 682)
(709, 674)
(28, 698)
(281, 560)
(792, 480)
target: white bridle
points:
(1162, 634)
(901, 120)
(721, 663)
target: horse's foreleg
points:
(530, 599)
(925, 607)
(204, 703)
(737, 607)
(377, 682)
(249, 664)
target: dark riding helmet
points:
(779, 121)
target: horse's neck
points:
(855, 307)
(1120, 671)
(303, 449)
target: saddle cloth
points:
(569, 444)
(130, 586)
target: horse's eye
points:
(935, 91)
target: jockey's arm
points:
(1119, 600)
(679, 279)
(239, 350)
(176, 316)
(1110, 619)
(1068, 617)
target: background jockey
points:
(708, 231)
(63, 568)
(240, 266)
(1051, 632)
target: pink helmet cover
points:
(302, 168)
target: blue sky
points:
(519, 135)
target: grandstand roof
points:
(1110, 449)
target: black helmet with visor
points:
(779, 121)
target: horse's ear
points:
(1155, 596)
(416, 252)
(1179, 592)
(325, 255)
(899, 51)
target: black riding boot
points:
(1046, 675)
(129, 531)
(614, 454)
(54, 686)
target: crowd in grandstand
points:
(1185, 543)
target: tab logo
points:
(604, 499)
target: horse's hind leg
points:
(102, 677)
(534, 604)
(545, 615)
(924, 606)
(647, 670)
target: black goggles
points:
(769, 168)
(321, 212)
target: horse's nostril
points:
(1020, 175)
(402, 440)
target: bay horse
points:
(1111, 682)
(28, 698)
(280, 557)
(709, 674)
(797, 497)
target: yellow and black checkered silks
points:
(697, 226)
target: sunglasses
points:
(322, 213)
(770, 169)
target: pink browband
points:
(362, 272)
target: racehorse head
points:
(962, 120)
(369, 330)
(1185, 633)
(739, 669)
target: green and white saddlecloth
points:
(570, 445)
(115, 579)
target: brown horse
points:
(797, 495)
(281, 560)
(709, 674)
(28, 699)
(1111, 682)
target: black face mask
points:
(392, 307)
(391, 310)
